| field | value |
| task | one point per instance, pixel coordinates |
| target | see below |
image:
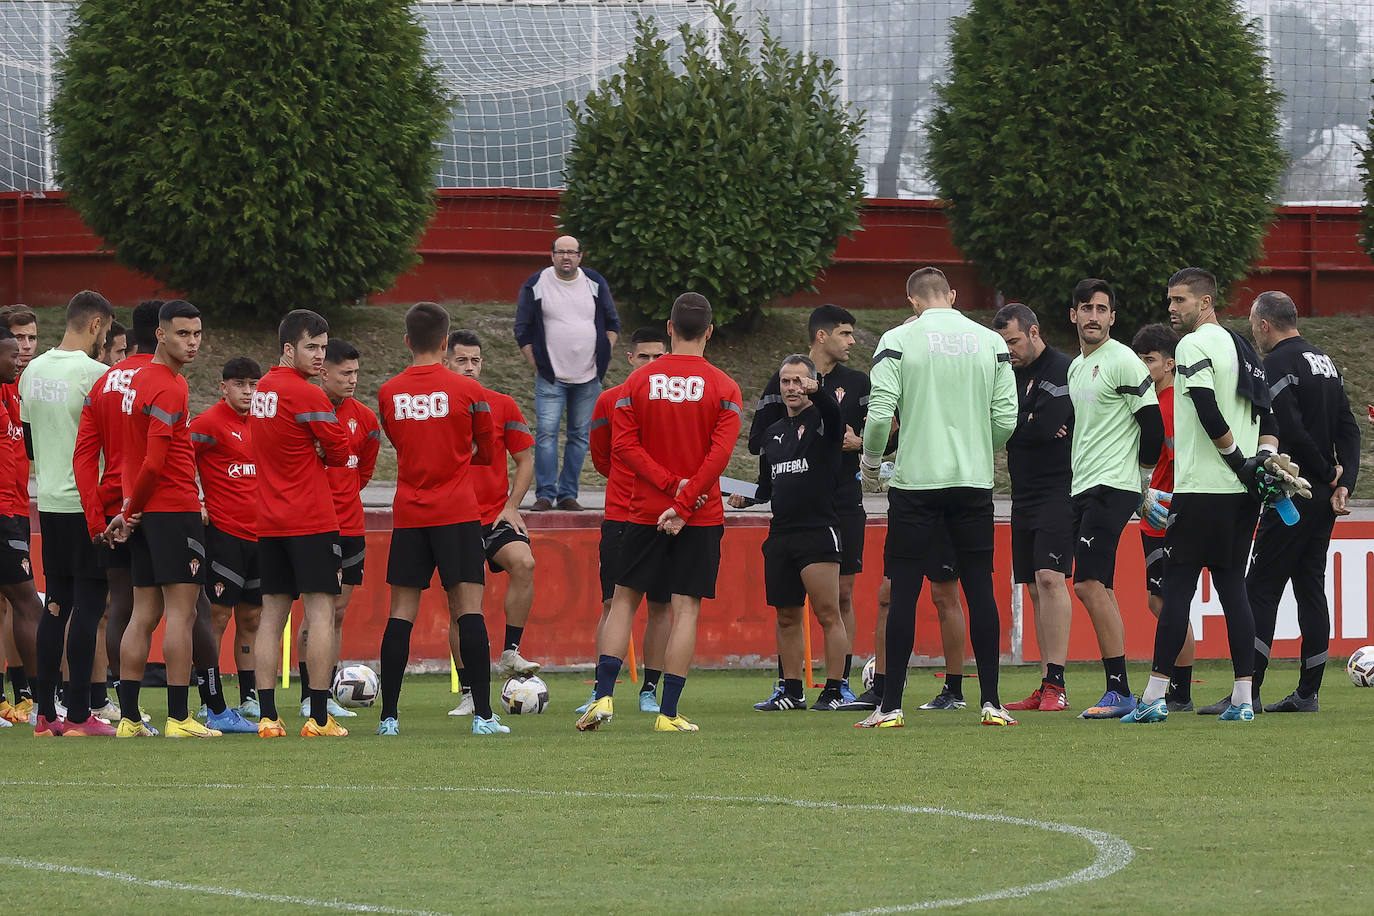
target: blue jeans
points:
(550, 401)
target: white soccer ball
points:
(524, 696)
(356, 685)
(870, 668)
(1361, 667)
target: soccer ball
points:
(355, 685)
(1361, 667)
(524, 696)
(870, 668)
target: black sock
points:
(848, 663)
(792, 687)
(463, 680)
(319, 706)
(212, 689)
(651, 676)
(248, 682)
(1116, 675)
(178, 699)
(954, 683)
(395, 653)
(780, 677)
(128, 700)
(1181, 684)
(19, 682)
(832, 686)
(878, 681)
(46, 698)
(513, 635)
(305, 681)
(99, 696)
(267, 702)
(1054, 674)
(475, 647)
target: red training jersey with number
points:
(101, 435)
(510, 434)
(157, 406)
(1163, 477)
(620, 480)
(435, 417)
(364, 438)
(289, 416)
(228, 476)
(14, 485)
(677, 419)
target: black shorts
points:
(1100, 515)
(1041, 537)
(852, 527)
(233, 578)
(685, 563)
(15, 564)
(1210, 529)
(116, 557)
(352, 550)
(611, 535)
(300, 564)
(167, 548)
(497, 535)
(68, 552)
(787, 553)
(454, 550)
(941, 563)
(939, 531)
(1153, 547)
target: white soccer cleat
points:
(513, 665)
(464, 707)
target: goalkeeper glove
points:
(1154, 507)
(870, 480)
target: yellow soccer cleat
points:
(996, 715)
(271, 728)
(675, 724)
(330, 729)
(18, 713)
(879, 719)
(132, 728)
(600, 711)
(7, 711)
(189, 727)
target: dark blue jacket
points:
(529, 324)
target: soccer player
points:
(646, 345)
(339, 379)
(1224, 436)
(1317, 429)
(441, 425)
(229, 479)
(951, 379)
(53, 390)
(1117, 436)
(675, 424)
(161, 520)
(1039, 460)
(116, 345)
(1155, 345)
(291, 424)
(14, 502)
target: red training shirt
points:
(620, 480)
(510, 435)
(14, 486)
(434, 417)
(159, 464)
(101, 433)
(289, 415)
(364, 439)
(677, 418)
(1163, 477)
(228, 476)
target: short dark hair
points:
(1278, 309)
(6, 334)
(1199, 282)
(648, 335)
(691, 316)
(16, 316)
(145, 324)
(176, 308)
(337, 351)
(116, 330)
(241, 367)
(1154, 337)
(427, 325)
(1015, 311)
(1084, 290)
(827, 318)
(799, 359)
(300, 323)
(464, 338)
(86, 305)
(927, 282)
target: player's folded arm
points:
(1151, 423)
(626, 444)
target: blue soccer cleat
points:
(647, 702)
(771, 703)
(1112, 706)
(389, 727)
(587, 705)
(490, 726)
(846, 693)
(250, 709)
(1242, 713)
(1156, 711)
(231, 722)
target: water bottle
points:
(887, 467)
(1287, 511)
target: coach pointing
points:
(566, 325)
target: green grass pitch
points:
(757, 813)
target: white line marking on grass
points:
(1112, 852)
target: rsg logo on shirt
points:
(119, 381)
(52, 390)
(675, 388)
(420, 406)
(264, 405)
(953, 344)
(1321, 364)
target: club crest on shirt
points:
(352, 425)
(195, 566)
(340, 575)
(801, 430)
(219, 589)
(1096, 369)
(839, 395)
(24, 564)
(1029, 385)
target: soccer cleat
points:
(43, 727)
(7, 713)
(131, 728)
(647, 701)
(1178, 705)
(1030, 702)
(598, 712)
(490, 726)
(91, 728)
(19, 712)
(674, 724)
(1113, 705)
(587, 705)
(1053, 698)
(778, 691)
(331, 708)
(271, 728)
(1294, 702)
(780, 702)
(1155, 711)
(513, 665)
(231, 722)
(1242, 713)
(189, 728)
(995, 715)
(828, 702)
(945, 699)
(5, 723)
(330, 729)
(464, 707)
(249, 708)
(880, 719)
(1217, 708)
(203, 713)
(109, 712)
(846, 693)
(867, 700)
(389, 727)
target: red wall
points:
(483, 243)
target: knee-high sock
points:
(1240, 623)
(901, 630)
(475, 647)
(52, 633)
(1180, 584)
(985, 626)
(395, 653)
